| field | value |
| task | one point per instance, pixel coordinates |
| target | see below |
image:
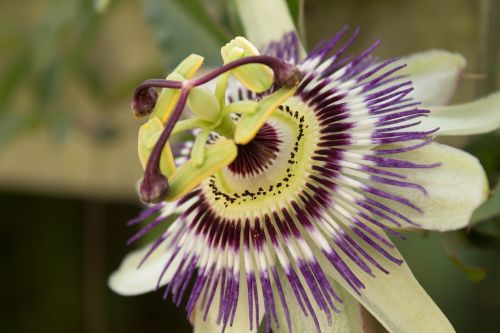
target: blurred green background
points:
(68, 162)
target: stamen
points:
(154, 186)
(285, 74)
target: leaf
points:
(488, 210)
(296, 8)
(184, 27)
(452, 243)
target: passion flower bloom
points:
(282, 202)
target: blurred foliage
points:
(184, 27)
(452, 243)
(483, 234)
(40, 64)
(489, 209)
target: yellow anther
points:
(168, 97)
(255, 77)
(148, 135)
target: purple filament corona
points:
(341, 209)
(258, 154)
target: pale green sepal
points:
(477, 117)
(149, 133)
(435, 75)
(454, 189)
(348, 320)
(255, 77)
(203, 103)
(396, 299)
(189, 175)
(250, 124)
(265, 21)
(168, 97)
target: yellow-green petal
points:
(477, 117)
(189, 175)
(249, 124)
(455, 189)
(396, 299)
(435, 75)
(348, 320)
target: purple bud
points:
(154, 188)
(144, 102)
(287, 75)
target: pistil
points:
(154, 186)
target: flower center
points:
(271, 168)
(256, 156)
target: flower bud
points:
(255, 77)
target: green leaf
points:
(296, 8)
(488, 210)
(183, 27)
(452, 243)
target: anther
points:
(144, 102)
(286, 75)
(145, 95)
(154, 188)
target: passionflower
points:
(282, 202)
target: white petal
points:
(396, 299)
(348, 320)
(435, 75)
(130, 280)
(240, 324)
(479, 116)
(264, 20)
(455, 189)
